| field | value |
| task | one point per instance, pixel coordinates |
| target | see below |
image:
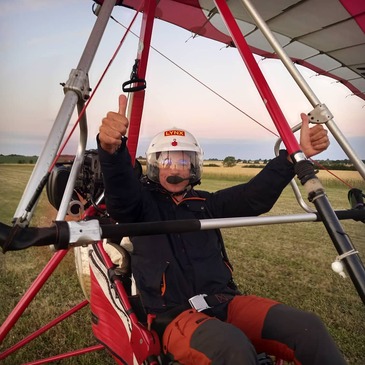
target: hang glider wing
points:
(326, 36)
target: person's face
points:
(176, 163)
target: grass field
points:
(288, 262)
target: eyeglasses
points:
(168, 163)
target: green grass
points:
(288, 262)
(61, 292)
(292, 264)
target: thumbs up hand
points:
(312, 140)
(113, 127)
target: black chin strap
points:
(187, 188)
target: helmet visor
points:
(179, 160)
(174, 160)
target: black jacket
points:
(171, 268)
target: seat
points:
(119, 320)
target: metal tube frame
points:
(315, 190)
(73, 98)
(75, 169)
(75, 94)
(293, 183)
(304, 86)
(311, 96)
(42, 330)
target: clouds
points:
(42, 41)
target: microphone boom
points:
(176, 179)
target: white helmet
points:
(174, 139)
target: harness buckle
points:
(198, 302)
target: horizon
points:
(140, 157)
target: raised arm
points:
(122, 188)
(260, 194)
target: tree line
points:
(231, 161)
(17, 159)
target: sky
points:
(41, 41)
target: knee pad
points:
(196, 338)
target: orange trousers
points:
(253, 325)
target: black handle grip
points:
(141, 85)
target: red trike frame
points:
(74, 97)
